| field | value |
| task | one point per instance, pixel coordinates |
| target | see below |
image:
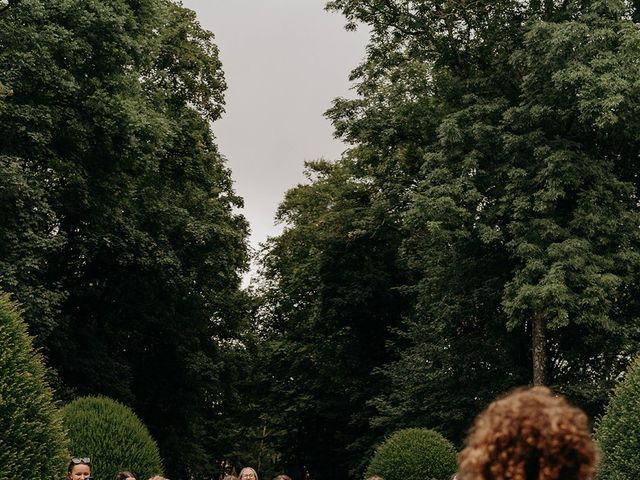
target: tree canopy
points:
(495, 148)
(122, 238)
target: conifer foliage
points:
(31, 434)
(112, 436)
(414, 454)
(618, 430)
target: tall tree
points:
(522, 217)
(330, 298)
(111, 103)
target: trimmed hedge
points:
(112, 436)
(618, 430)
(32, 440)
(414, 454)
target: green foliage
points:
(490, 181)
(618, 430)
(520, 194)
(112, 436)
(121, 235)
(29, 239)
(328, 300)
(31, 433)
(414, 454)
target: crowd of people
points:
(528, 434)
(80, 469)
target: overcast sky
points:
(284, 62)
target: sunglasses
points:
(81, 460)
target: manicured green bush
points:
(414, 454)
(112, 436)
(32, 440)
(618, 430)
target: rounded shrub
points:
(112, 436)
(618, 430)
(31, 434)
(414, 454)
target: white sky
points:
(284, 62)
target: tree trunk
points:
(539, 350)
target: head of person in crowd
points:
(125, 476)
(282, 477)
(158, 477)
(248, 473)
(375, 477)
(529, 434)
(79, 468)
(230, 477)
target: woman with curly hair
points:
(529, 434)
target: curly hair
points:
(529, 434)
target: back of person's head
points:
(282, 477)
(529, 434)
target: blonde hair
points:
(529, 434)
(248, 469)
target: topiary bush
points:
(414, 454)
(32, 440)
(112, 436)
(618, 430)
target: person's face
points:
(248, 475)
(79, 472)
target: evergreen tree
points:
(617, 429)
(112, 436)
(31, 433)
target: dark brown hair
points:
(529, 434)
(124, 475)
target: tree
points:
(414, 454)
(328, 300)
(521, 222)
(112, 436)
(32, 435)
(111, 106)
(617, 430)
(29, 240)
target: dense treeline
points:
(481, 231)
(118, 235)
